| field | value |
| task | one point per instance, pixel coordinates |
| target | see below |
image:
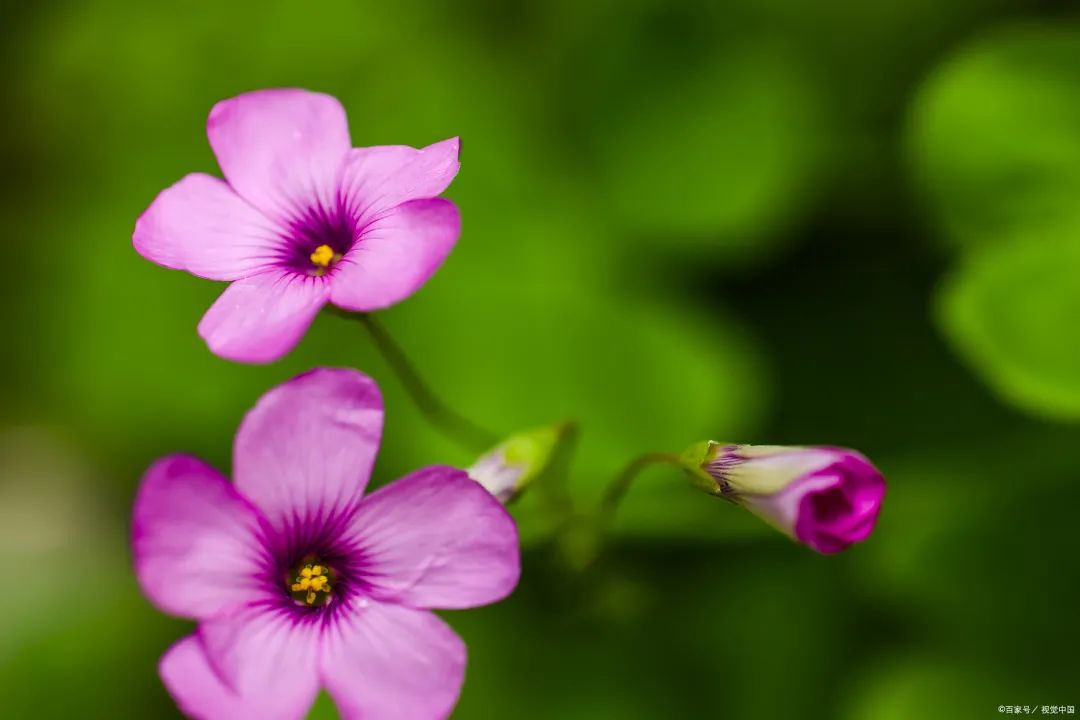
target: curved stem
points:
(618, 488)
(582, 540)
(441, 416)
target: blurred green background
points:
(755, 221)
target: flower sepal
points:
(693, 461)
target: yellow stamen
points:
(323, 256)
(312, 580)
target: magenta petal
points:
(396, 254)
(860, 528)
(304, 453)
(438, 539)
(283, 150)
(386, 662)
(260, 318)
(378, 178)
(266, 656)
(830, 518)
(201, 694)
(196, 542)
(202, 226)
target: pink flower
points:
(302, 219)
(826, 498)
(298, 582)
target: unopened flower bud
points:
(826, 498)
(514, 464)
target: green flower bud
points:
(511, 466)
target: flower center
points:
(312, 584)
(322, 258)
(316, 238)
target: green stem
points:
(618, 488)
(582, 539)
(439, 415)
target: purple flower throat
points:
(314, 572)
(317, 239)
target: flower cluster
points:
(298, 581)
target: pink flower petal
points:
(260, 318)
(196, 542)
(202, 226)
(304, 453)
(265, 654)
(378, 178)
(201, 694)
(436, 538)
(396, 254)
(386, 662)
(283, 150)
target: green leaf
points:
(1011, 310)
(717, 160)
(934, 687)
(993, 138)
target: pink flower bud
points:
(826, 498)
